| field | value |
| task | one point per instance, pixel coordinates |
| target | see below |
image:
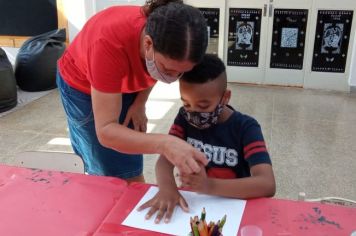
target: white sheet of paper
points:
(216, 208)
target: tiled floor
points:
(310, 134)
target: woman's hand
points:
(137, 111)
(164, 203)
(137, 114)
(197, 182)
(181, 154)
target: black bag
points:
(36, 62)
(8, 89)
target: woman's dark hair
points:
(178, 31)
(151, 5)
(207, 70)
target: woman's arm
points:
(107, 108)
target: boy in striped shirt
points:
(239, 163)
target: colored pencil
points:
(203, 214)
(199, 227)
(195, 229)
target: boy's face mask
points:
(156, 74)
(203, 120)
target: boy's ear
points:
(226, 97)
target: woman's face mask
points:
(203, 120)
(156, 74)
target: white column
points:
(353, 66)
(77, 13)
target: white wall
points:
(77, 13)
(353, 67)
(102, 4)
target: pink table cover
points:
(37, 202)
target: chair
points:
(328, 200)
(58, 161)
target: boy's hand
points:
(198, 182)
(164, 203)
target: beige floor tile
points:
(254, 101)
(310, 174)
(293, 135)
(12, 142)
(45, 115)
(35, 142)
(317, 106)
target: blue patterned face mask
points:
(156, 74)
(202, 120)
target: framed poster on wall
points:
(244, 37)
(212, 16)
(288, 38)
(332, 40)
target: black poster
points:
(288, 38)
(244, 37)
(212, 16)
(332, 40)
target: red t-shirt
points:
(106, 53)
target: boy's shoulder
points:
(241, 118)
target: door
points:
(287, 44)
(245, 41)
(333, 32)
(267, 41)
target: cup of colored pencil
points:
(199, 227)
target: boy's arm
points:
(164, 169)
(168, 196)
(261, 183)
(164, 174)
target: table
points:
(274, 216)
(39, 202)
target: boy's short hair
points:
(208, 69)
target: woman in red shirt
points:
(107, 73)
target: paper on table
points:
(216, 208)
